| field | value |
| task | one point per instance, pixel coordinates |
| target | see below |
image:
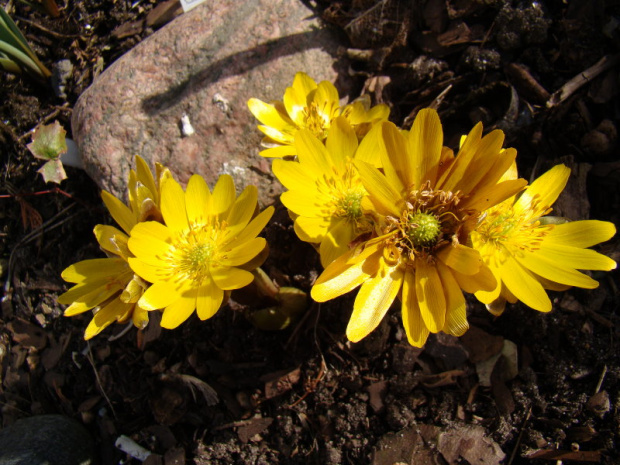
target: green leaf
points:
(53, 171)
(48, 141)
(14, 44)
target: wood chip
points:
(376, 391)
(568, 89)
(568, 455)
(527, 86)
(281, 381)
(26, 334)
(470, 443)
(164, 13)
(251, 428)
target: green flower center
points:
(503, 226)
(350, 205)
(196, 252)
(423, 229)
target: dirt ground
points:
(225, 392)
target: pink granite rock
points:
(206, 64)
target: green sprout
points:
(16, 55)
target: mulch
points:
(524, 388)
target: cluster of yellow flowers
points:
(391, 211)
(398, 214)
(181, 251)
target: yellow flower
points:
(527, 254)
(307, 105)
(108, 285)
(426, 202)
(325, 192)
(205, 248)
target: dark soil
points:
(305, 394)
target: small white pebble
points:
(186, 127)
(221, 102)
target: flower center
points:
(316, 121)
(423, 229)
(195, 252)
(350, 205)
(504, 226)
(430, 219)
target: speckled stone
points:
(46, 440)
(205, 64)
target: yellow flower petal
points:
(451, 177)
(416, 330)
(173, 205)
(93, 298)
(304, 83)
(107, 315)
(399, 168)
(293, 176)
(159, 295)
(209, 300)
(346, 273)
(551, 267)
(244, 252)
(482, 162)
(524, 286)
(197, 200)
(139, 317)
(112, 240)
(484, 280)
(341, 142)
(267, 114)
(281, 137)
(242, 211)
(179, 311)
(431, 298)
(371, 148)
(224, 196)
(456, 310)
(145, 177)
(493, 194)
(461, 258)
(311, 229)
(501, 170)
(147, 247)
(94, 270)
(486, 295)
(327, 100)
(153, 229)
(296, 97)
(373, 300)
(299, 202)
(336, 240)
(584, 233)
(424, 142)
(229, 278)
(544, 191)
(497, 307)
(576, 257)
(119, 211)
(254, 227)
(312, 153)
(381, 191)
(148, 272)
(280, 151)
(77, 291)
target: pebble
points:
(201, 68)
(46, 440)
(62, 71)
